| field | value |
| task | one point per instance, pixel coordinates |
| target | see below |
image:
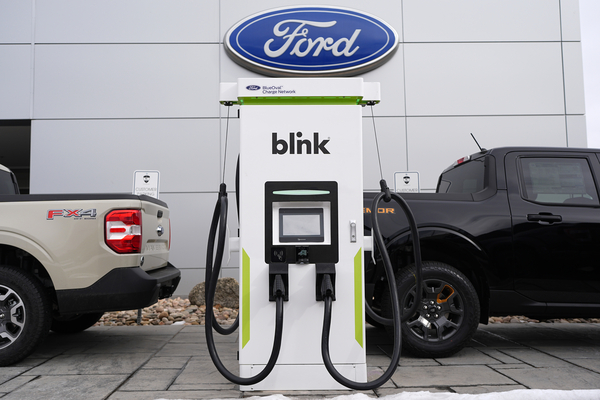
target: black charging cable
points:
(417, 256)
(397, 321)
(211, 276)
(220, 213)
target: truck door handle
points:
(544, 218)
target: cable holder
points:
(325, 282)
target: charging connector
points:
(278, 281)
(325, 282)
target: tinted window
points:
(558, 181)
(6, 183)
(465, 178)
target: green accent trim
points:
(245, 298)
(290, 101)
(358, 299)
(301, 192)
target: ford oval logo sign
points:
(311, 41)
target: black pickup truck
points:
(509, 231)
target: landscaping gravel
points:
(171, 311)
(181, 312)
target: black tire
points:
(74, 323)
(24, 314)
(448, 316)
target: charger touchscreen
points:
(301, 225)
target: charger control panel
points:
(303, 221)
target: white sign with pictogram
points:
(407, 182)
(146, 182)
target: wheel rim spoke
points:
(455, 310)
(14, 316)
(426, 331)
(17, 318)
(412, 324)
(4, 334)
(9, 293)
(445, 321)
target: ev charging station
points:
(301, 214)
(301, 243)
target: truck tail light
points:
(124, 231)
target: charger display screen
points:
(301, 225)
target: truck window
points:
(468, 177)
(7, 185)
(558, 181)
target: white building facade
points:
(104, 88)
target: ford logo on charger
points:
(311, 41)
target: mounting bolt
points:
(425, 307)
(427, 315)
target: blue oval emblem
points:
(315, 41)
(253, 87)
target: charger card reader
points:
(301, 221)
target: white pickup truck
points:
(65, 259)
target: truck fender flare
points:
(429, 231)
(471, 252)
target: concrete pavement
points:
(172, 362)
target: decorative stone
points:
(226, 293)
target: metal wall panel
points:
(481, 21)
(391, 136)
(16, 21)
(484, 79)
(573, 65)
(126, 81)
(15, 81)
(571, 28)
(576, 126)
(132, 21)
(95, 156)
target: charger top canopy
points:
(300, 91)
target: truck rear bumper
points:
(121, 289)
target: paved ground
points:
(172, 362)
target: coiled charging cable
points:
(327, 297)
(396, 321)
(213, 268)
